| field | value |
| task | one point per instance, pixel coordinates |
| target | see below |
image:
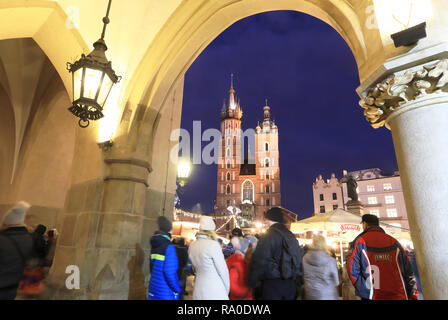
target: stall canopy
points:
(347, 224)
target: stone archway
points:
(115, 195)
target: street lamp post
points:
(92, 80)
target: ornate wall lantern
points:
(93, 78)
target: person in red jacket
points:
(378, 267)
(239, 271)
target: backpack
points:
(290, 263)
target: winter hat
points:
(165, 225)
(207, 224)
(370, 219)
(16, 215)
(275, 214)
(237, 232)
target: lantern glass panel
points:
(92, 80)
(77, 80)
(105, 89)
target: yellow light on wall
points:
(397, 15)
(183, 170)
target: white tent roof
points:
(339, 220)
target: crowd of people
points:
(26, 254)
(274, 266)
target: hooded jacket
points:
(320, 274)
(380, 269)
(164, 283)
(16, 246)
(238, 274)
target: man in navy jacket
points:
(164, 283)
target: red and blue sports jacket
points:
(379, 268)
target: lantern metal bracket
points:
(106, 145)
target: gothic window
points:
(228, 164)
(266, 162)
(228, 152)
(228, 189)
(267, 189)
(228, 176)
(248, 191)
(267, 175)
(228, 141)
(266, 146)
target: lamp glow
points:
(183, 171)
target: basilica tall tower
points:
(230, 151)
(249, 184)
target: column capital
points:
(389, 95)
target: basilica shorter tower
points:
(248, 182)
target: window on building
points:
(321, 197)
(392, 213)
(322, 209)
(228, 189)
(387, 186)
(375, 212)
(372, 200)
(267, 175)
(370, 188)
(228, 164)
(228, 141)
(267, 189)
(335, 196)
(389, 199)
(335, 206)
(268, 203)
(228, 152)
(228, 203)
(228, 176)
(266, 146)
(248, 191)
(266, 162)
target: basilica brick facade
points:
(247, 184)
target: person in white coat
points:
(212, 276)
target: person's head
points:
(15, 217)
(319, 242)
(237, 232)
(207, 227)
(369, 220)
(179, 241)
(274, 215)
(240, 244)
(40, 229)
(164, 224)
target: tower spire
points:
(232, 102)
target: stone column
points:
(102, 234)
(413, 104)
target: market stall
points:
(341, 227)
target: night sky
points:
(309, 75)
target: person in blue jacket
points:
(164, 283)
